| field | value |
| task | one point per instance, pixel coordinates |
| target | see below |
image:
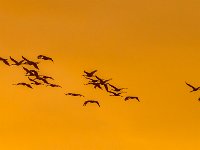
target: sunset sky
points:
(150, 47)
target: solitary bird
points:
(24, 84)
(91, 101)
(131, 97)
(5, 61)
(17, 63)
(75, 94)
(44, 57)
(89, 74)
(193, 88)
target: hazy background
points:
(150, 47)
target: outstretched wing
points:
(13, 60)
(190, 85)
(85, 103)
(97, 103)
(93, 72)
(6, 62)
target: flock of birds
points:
(36, 79)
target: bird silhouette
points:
(31, 62)
(96, 85)
(102, 81)
(115, 94)
(24, 84)
(46, 77)
(75, 94)
(193, 88)
(91, 101)
(131, 97)
(114, 88)
(35, 82)
(4, 61)
(17, 63)
(31, 72)
(44, 57)
(54, 85)
(89, 74)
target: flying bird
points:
(54, 85)
(31, 72)
(95, 85)
(35, 82)
(131, 97)
(102, 81)
(24, 84)
(31, 62)
(89, 74)
(115, 94)
(4, 61)
(193, 88)
(44, 57)
(114, 88)
(91, 101)
(75, 94)
(17, 63)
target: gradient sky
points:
(150, 47)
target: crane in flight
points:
(91, 101)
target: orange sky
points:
(150, 47)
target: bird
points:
(44, 57)
(75, 94)
(53, 85)
(131, 97)
(24, 84)
(43, 79)
(31, 62)
(115, 88)
(91, 101)
(31, 72)
(95, 85)
(102, 81)
(46, 77)
(115, 94)
(193, 88)
(92, 80)
(17, 63)
(35, 82)
(89, 74)
(5, 61)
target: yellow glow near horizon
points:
(150, 47)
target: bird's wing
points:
(189, 85)
(36, 66)
(126, 98)
(13, 60)
(6, 62)
(97, 103)
(25, 58)
(93, 71)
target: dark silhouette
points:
(24, 84)
(91, 101)
(17, 63)
(75, 94)
(131, 97)
(35, 82)
(42, 79)
(114, 88)
(193, 88)
(115, 94)
(89, 74)
(31, 72)
(95, 85)
(102, 81)
(44, 57)
(31, 62)
(46, 77)
(54, 85)
(92, 80)
(5, 61)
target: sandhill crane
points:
(114, 88)
(95, 85)
(4, 61)
(115, 94)
(44, 57)
(31, 62)
(31, 72)
(89, 74)
(46, 77)
(24, 84)
(35, 82)
(131, 97)
(54, 85)
(91, 101)
(17, 63)
(102, 81)
(75, 94)
(193, 88)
